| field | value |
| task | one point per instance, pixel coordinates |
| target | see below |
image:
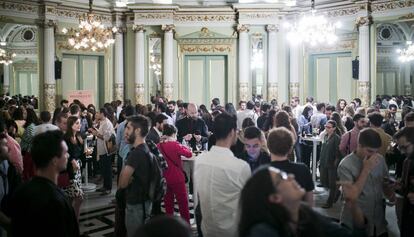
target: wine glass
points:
(199, 146)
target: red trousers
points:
(179, 191)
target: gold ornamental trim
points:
(205, 48)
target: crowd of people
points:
(250, 173)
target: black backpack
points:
(157, 186)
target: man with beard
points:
(349, 140)
(135, 174)
(155, 132)
(39, 207)
(171, 110)
(405, 207)
(192, 129)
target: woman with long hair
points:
(76, 153)
(174, 174)
(229, 108)
(340, 107)
(19, 116)
(347, 118)
(282, 119)
(271, 205)
(340, 128)
(29, 127)
(206, 116)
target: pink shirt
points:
(15, 153)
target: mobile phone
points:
(389, 180)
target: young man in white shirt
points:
(219, 178)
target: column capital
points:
(293, 89)
(46, 23)
(168, 28)
(363, 21)
(243, 28)
(272, 28)
(49, 97)
(138, 28)
(139, 93)
(244, 91)
(121, 30)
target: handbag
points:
(111, 146)
(176, 165)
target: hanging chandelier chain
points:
(312, 5)
(90, 6)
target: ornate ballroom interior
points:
(198, 50)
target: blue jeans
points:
(134, 216)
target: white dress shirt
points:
(106, 129)
(247, 113)
(219, 177)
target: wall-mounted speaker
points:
(58, 69)
(355, 68)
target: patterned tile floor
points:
(97, 214)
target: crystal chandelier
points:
(407, 54)
(312, 29)
(6, 57)
(91, 35)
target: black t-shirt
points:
(300, 170)
(138, 158)
(40, 208)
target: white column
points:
(364, 60)
(407, 84)
(6, 80)
(139, 63)
(294, 70)
(119, 66)
(49, 66)
(168, 69)
(273, 65)
(244, 62)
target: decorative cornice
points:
(205, 41)
(390, 5)
(242, 28)
(168, 28)
(138, 28)
(20, 7)
(204, 18)
(258, 15)
(272, 28)
(24, 66)
(154, 16)
(343, 12)
(205, 48)
(339, 46)
(407, 17)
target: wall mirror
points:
(21, 76)
(257, 65)
(155, 64)
(394, 75)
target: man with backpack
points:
(141, 176)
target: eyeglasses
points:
(281, 174)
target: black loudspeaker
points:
(355, 68)
(58, 69)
